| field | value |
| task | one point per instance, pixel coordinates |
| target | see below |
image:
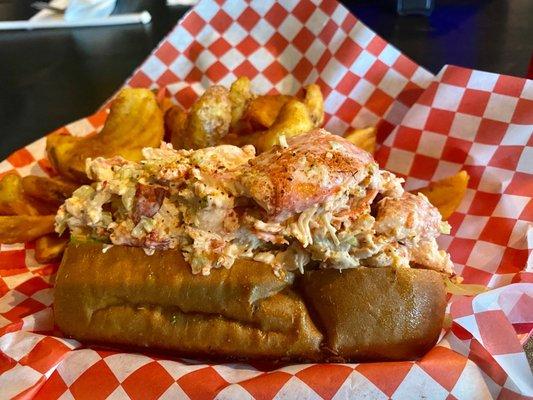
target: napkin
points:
(429, 127)
(78, 13)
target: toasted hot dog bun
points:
(124, 297)
(377, 313)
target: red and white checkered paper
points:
(461, 119)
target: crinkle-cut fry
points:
(175, 124)
(263, 110)
(209, 118)
(447, 194)
(364, 138)
(240, 96)
(51, 190)
(293, 120)
(23, 228)
(14, 201)
(315, 104)
(134, 122)
(50, 248)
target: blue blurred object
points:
(418, 7)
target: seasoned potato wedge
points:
(135, 121)
(263, 110)
(239, 95)
(175, 124)
(293, 119)
(447, 194)
(315, 104)
(209, 118)
(50, 248)
(51, 190)
(165, 104)
(363, 138)
(23, 228)
(13, 200)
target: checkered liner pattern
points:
(283, 46)
(462, 119)
(482, 123)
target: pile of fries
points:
(137, 119)
(27, 212)
(238, 116)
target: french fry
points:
(455, 287)
(53, 191)
(23, 228)
(315, 104)
(447, 194)
(50, 248)
(135, 121)
(209, 118)
(293, 120)
(13, 200)
(175, 124)
(263, 110)
(363, 138)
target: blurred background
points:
(52, 77)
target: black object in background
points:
(49, 78)
(415, 7)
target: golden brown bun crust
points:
(377, 313)
(125, 297)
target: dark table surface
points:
(51, 77)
